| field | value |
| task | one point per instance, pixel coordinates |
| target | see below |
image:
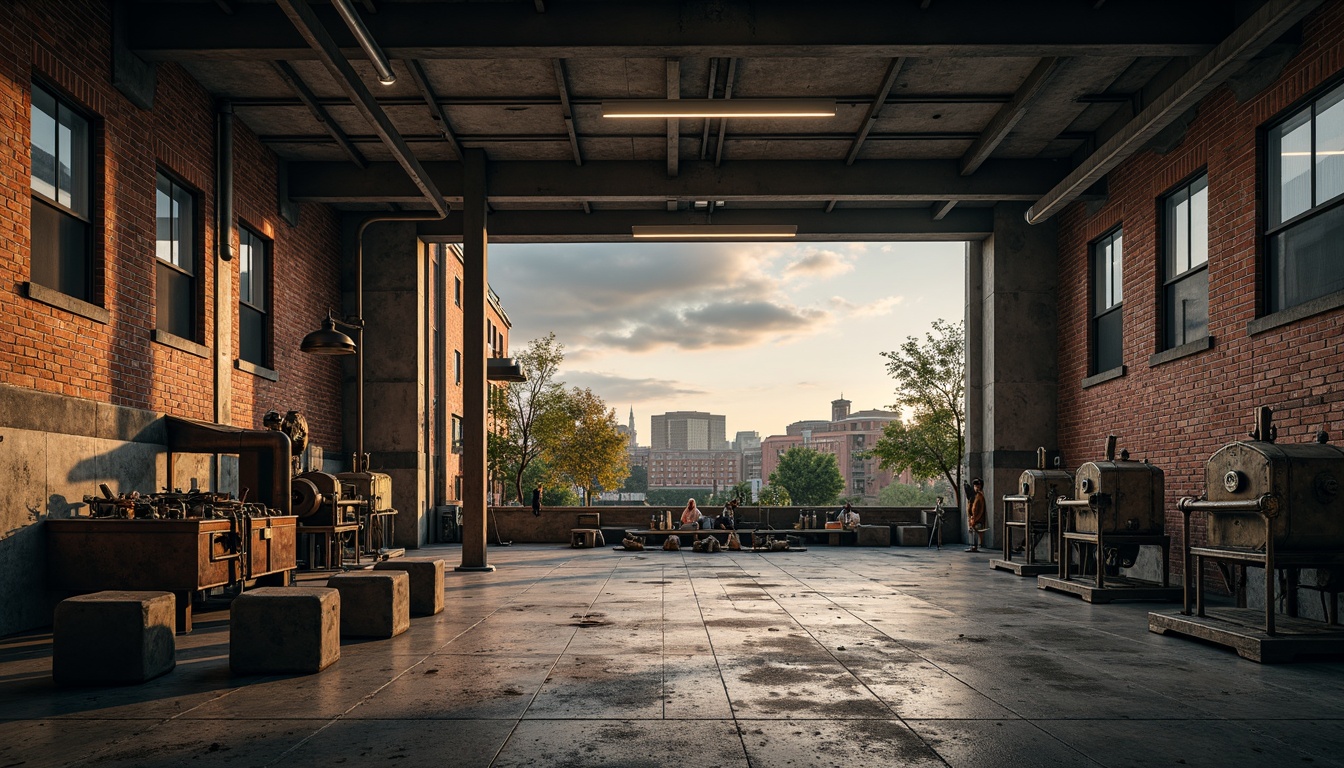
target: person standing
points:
(536, 500)
(975, 519)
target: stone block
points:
(426, 583)
(373, 603)
(583, 538)
(113, 638)
(874, 536)
(912, 535)
(277, 630)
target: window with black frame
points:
(1304, 241)
(1185, 277)
(176, 259)
(254, 298)
(1107, 295)
(61, 230)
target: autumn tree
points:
(525, 415)
(584, 448)
(930, 380)
(811, 477)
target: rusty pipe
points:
(1016, 499)
(1265, 504)
(263, 455)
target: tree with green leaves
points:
(526, 415)
(810, 477)
(638, 481)
(922, 494)
(930, 386)
(774, 496)
(586, 449)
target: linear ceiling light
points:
(676, 108)
(365, 39)
(714, 232)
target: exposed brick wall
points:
(1177, 414)
(66, 45)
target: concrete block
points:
(874, 536)
(284, 629)
(426, 583)
(112, 638)
(373, 603)
(912, 536)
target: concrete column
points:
(975, 369)
(394, 372)
(474, 352)
(1011, 399)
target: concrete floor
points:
(831, 657)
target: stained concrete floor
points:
(831, 657)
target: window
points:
(1185, 277)
(457, 291)
(254, 297)
(1305, 218)
(457, 367)
(175, 254)
(457, 434)
(1107, 279)
(61, 228)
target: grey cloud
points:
(724, 325)
(621, 389)
(819, 264)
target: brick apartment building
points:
(123, 302)
(846, 436)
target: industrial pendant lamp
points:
(327, 340)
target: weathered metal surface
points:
(1305, 478)
(1127, 497)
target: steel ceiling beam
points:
(673, 125)
(1264, 26)
(547, 182)
(723, 122)
(1009, 115)
(562, 84)
(320, 114)
(657, 29)
(306, 22)
(875, 109)
(505, 103)
(417, 72)
(907, 224)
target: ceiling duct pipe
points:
(376, 56)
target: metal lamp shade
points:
(328, 341)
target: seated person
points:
(726, 520)
(849, 519)
(690, 516)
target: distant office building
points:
(688, 431)
(745, 441)
(847, 436)
(748, 444)
(637, 456)
(715, 470)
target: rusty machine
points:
(1035, 514)
(1278, 508)
(1116, 510)
(335, 509)
(186, 542)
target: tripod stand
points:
(937, 533)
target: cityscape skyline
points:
(722, 327)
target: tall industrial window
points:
(1305, 218)
(1107, 279)
(457, 291)
(457, 434)
(1185, 279)
(61, 227)
(254, 298)
(457, 367)
(175, 254)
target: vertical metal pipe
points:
(474, 286)
(223, 293)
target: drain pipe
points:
(223, 325)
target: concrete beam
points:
(1264, 26)
(855, 224)
(623, 181)
(657, 29)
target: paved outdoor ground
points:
(830, 657)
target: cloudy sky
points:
(763, 333)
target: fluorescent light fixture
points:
(715, 232)
(676, 108)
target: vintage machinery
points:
(1278, 508)
(334, 507)
(1033, 512)
(185, 542)
(1116, 509)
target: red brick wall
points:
(1177, 414)
(66, 44)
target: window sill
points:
(256, 370)
(54, 298)
(1114, 373)
(1185, 350)
(1293, 314)
(177, 342)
